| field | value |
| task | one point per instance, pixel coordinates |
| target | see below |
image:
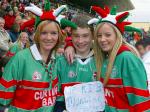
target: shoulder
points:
(61, 58)
(129, 59)
(127, 55)
(15, 45)
(23, 54)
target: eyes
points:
(105, 35)
(83, 35)
(52, 33)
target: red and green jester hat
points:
(46, 14)
(114, 19)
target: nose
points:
(103, 38)
(80, 40)
(49, 36)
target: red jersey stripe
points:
(137, 91)
(8, 84)
(6, 95)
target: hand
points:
(69, 54)
(60, 51)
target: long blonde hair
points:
(99, 55)
(20, 43)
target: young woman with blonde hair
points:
(21, 43)
(29, 82)
(119, 66)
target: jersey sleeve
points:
(135, 83)
(9, 80)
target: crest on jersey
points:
(36, 76)
(71, 74)
(94, 75)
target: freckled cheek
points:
(56, 40)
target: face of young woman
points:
(106, 37)
(82, 40)
(24, 37)
(48, 37)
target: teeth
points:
(81, 45)
(104, 44)
(48, 42)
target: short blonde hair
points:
(40, 28)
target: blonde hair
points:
(40, 28)
(19, 40)
(99, 55)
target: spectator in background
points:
(146, 58)
(17, 12)
(5, 43)
(21, 43)
(14, 3)
(27, 15)
(15, 29)
(9, 18)
(140, 46)
(5, 40)
(3, 6)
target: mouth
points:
(48, 42)
(82, 46)
(103, 46)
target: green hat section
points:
(66, 23)
(114, 10)
(47, 5)
(133, 29)
(37, 21)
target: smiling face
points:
(106, 37)
(82, 40)
(48, 37)
(24, 37)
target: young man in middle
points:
(83, 68)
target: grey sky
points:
(141, 12)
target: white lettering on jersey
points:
(48, 97)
